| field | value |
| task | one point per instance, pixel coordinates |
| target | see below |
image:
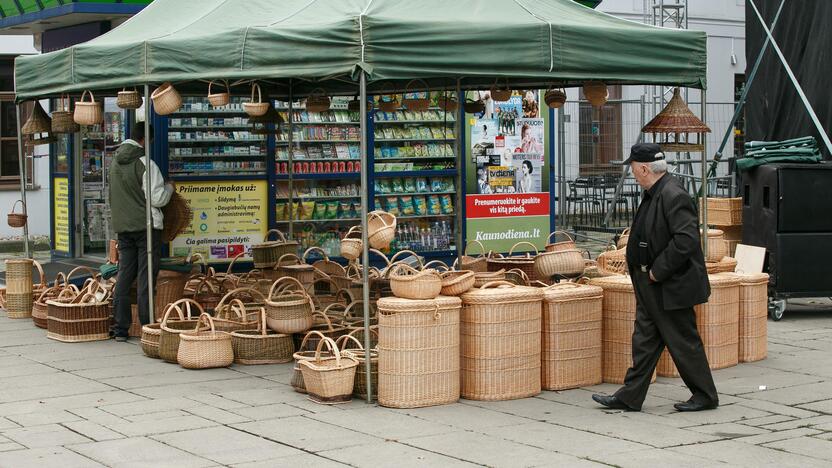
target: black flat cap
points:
(645, 153)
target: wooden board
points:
(750, 259)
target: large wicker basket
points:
(619, 316)
(753, 317)
(571, 347)
(261, 346)
(381, 229)
(418, 343)
(265, 255)
(19, 288)
(523, 262)
(177, 217)
(561, 263)
(172, 328)
(500, 329)
(170, 287)
(204, 349)
(724, 211)
(291, 311)
(88, 112)
(409, 283)
(83, 318)
(359, 354)
(718, 321)
(166, 100)
(329, 380)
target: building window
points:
(9, 158)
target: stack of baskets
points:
(85, 317)
(501, 335)
(524, 262)
(265, 255)
(418, 344)
(571, 347)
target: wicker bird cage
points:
(38, 127)
(675, 127)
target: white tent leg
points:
(151, 278)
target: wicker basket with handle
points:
(17, 219)
(325, 326)
(85, 317)
(318, 101)
(563, 241)
(261, 346)
(290, 265)
(166, 99)
(324, 265)
(265, 255)
(476, 264)
(488, 276)
(500, 94)
(351, 245)
(455, 283)
(329, 380)
(358, 353)
(256, 108)
(172, 328)
(381, 229)
(524, 262)
(560, 264)
(88, 112)
(290, 311)
(623, 239)
(220, 99)
(205, 348)
(296, 381)
(127, 99)
(233, 316)
(408, 283)
(416, 99)
(62, 119)
(500, 329)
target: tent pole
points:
(794, 81)
(560, 175)
(151, 278)
(741, 104)
(460, 249)
(289, 136)
(365, 254)
(22, 161)
(704, 198)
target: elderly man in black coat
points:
(667, 267)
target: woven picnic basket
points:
(265, 255)
(261, 346)
(418, 345)
(562, 241)
(753, 317)
(455, 283)
(85, 317)
(500, 329)
(481, 278)
(408, 283)
(560, 264)
(724, 211)
(359, 354)
(381, 229)
(248, 301)
(170, 329)
(523, 262)
(219, 99)
(290, 311)
(203, 348)
(329, 380)
(351, 245)
(127, 99)
(299, 356)
(166, 99)
(476, 264)
(613, 262)
(88, 112)
(571, 345)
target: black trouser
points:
(656, 327)
(132, 267)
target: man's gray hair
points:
(658, 167)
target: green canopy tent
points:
(351, 47)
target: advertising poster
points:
(511, 202)
(60, 212)
(228, 218)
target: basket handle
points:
(231, 265)
(231, 295)
(68, 293)
(188, 304)
(394, 258)
(333, 305)
(314, 249)
(14, 207)
(43, 282)
(262, 325)
(235, 305)
(549, 239)
(407, 89)
(208, 321)
(352, 230)
(395, 268)
(211, 83)
(380, 254)
(60, 279)
(290, 256)
(341, 341)
(77, 269)
(438, 264)
(520, 272)
(498, 284)
(382, 216)
(329, 326)
(45, 292)
(332, 347)
(306, 338)
(259, 94)
(84, 95)
(482, 247)
(282, 238)
(284, 280)
(625, 232)
(511, 251)
(351, 308)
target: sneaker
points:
(121, 339)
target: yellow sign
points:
(229, 217)
(60, 214)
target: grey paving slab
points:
(489, 450)
(121, 361)
(464, 416)
(26, 369)
(157, 415)
(778, 435)
(68, 402)
(9, 446)
(138, 452)
(267, 370)
(740, 454)
(227, 446)
(217, 415)
(388, 453)
(147, 370)
(66, 385)
(823, 406)
(162, 426)
(217, 401)
(806, 445)
(260, 396)
(171, 378)
(97, 416)
(724, 414)
(775, 408)
(307, 460)
(273, 411)
(536, 409)
(50, 435)
(550, 436)
(654, 457)
(795, 395)
(46, 457)
(6, 423)
(771, 381)
(765, 420)
(803, 422)
(381, 422)
(215, 387)
(92, 430)
(307, 434)
(150, 406)
(728, 430)
(43, 417)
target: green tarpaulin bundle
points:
(797, 150)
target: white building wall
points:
(38, 196)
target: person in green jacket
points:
(127, 182)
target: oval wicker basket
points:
(329, 380)
(448, 103)
(62, 119)
(15, 219)
(291, 311)
(261, 346)
(351, 245)
(381, 229)
(170, 329)
(296, 381)
(481, 278)
(88, 112)
(725, 265)
(219, 99)
(205, 348)
(256, 108)
(471, 263)
(129, 99)
(166, 99)
(555, 98)
(560, 264)
(265, 255)
(150, 340)
(409, 283)
(318, 101)
(500, 94)
(564, 242)
(524, 262)
(455, 283)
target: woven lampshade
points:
(596, 93)
(39, 122)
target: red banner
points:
(505, 205)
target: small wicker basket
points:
(456, 283)
(409, 283)
(318, 101)
(555, 98)
(219, 99)
(476, 264)
(129, 99)
(359, 354)
(563, 241)
(474, 107)
(351, 245)
(596, 93)
(329, 380)
(205, 349)
(296, 381)
(448, 103)
(166, 100)
(15, 219)
(290, 311)
(523, 262)
(381, 229)
(256, 108)
(500, 94)
(265, 255)
(88, 112)
(415, 100)
(171, 329)
(560, 264)
(62, 119)
(261, 346)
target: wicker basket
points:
(324, 265)
(291, 266)
(523, 262)
(83, 318)
(177, 217)
(329, 380)
(448, 103)
(166, 100)
(555, 98)
(474, 107)
(718, 321)
(726, 265)
(247, 301)
(205, 349)
(256, 108)
(753, 317)
(563, 241)
(471, 263)
(456, 283)
(381, 229)
(129, 99)
(418, 343)
(261, 346)
(170, 287)
(19, 289)
(40, 308)
(171, 329)
(486, 277)
(560, 264)
(623, 239)
(318, 101)
(15, 219)
(234, 315)
(518, 277)
(724, 211)
(208, 293)
(613, 262)
(62, 119)
(150, 340)
(291, 311)
(351, 245)
(717, 247)
(408, 283)
(410, 99)
(323, 324)
(619, 316)
(88, 112)
(596, 93)
(359, 354)
(219, 99)
(265, 255)
(500, 330)
(296, 381)
(571, 347)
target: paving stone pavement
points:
(105, 404)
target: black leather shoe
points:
(611, 402)
(691, 405)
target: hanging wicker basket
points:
(220, 99)
(409, 283)
(18, 219)
(596, 93)
(129, 99)
(256, 108)
(416, 100)
(318, 101)
(38, 123)
(381, 229)
(166, 99)
(62, 119)
(177, 217)
(351, 244)
(448, 103)
(500, 94)
(388, 102)
(555, 98)
(474, 107)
